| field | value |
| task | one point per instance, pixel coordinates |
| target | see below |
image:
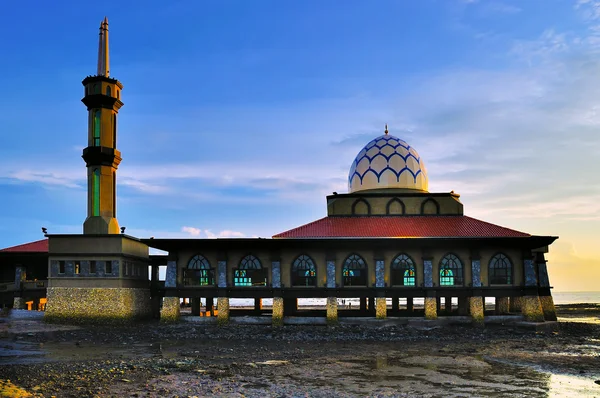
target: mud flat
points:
(367, 360)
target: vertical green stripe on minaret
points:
(96, 128)
(96, 193)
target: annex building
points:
(387, 239)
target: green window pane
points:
(96, 129)
(96, 193)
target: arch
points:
(250, 272)
(354, 271)
(500, 270)
(430, 207)
(96, 192)
(304, 271)
(108, 91)
(451, 271)
(403, 271)
(96, 126)
(198, 272)
(361, 207)
(395, 206)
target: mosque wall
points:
(365, 204)
(320, 257)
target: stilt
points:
(463, 306)
(278, 311)
(223, 314)
(196, 306)
(170, 311)
(332, 311)
(395, 304)
(257, 305)
(515, 304)
(502, 305)
(363, 304)
(430, 308)
(532, 309)
(381, 309)
(448, 304)
(476, 310)
(409, 304)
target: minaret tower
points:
(103, 101)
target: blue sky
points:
(240, 116)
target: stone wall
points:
(97, 305)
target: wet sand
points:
(188, 359)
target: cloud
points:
(199, 233)
(567, 268)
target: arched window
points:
(430, 207)
(354, 271)
(96, 128)
(198, 272)
(108, 91)
(96, 192)
(250, 273)
(500, 270)
(403, 271)
(451, 271)
(361, 208)
(304, 271)
(395, 206)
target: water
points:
(559, 298)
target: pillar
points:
(476, 310)
(502, 305)
(170, 311)
(154, 299)
(531, 307)
(278, 302)
(430, 300)
(363, 304)
(257, 305)
(380, 304)
(395, 304)
(410, 307)
(210, 303)
(463, 306)
(477, 302)
(290, 306)
(448, 304)
(196, 306)
(546, 299)
(332, 307)
(515, 304)
(222, 302)
(438, 304)
(19, 302)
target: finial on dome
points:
(386, 130)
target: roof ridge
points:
(301, 226)
(499, 226)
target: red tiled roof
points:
(400, 227)
(40, 246)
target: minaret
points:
(103, 101)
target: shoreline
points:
(187, 359)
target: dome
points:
(387, 162)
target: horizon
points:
(239, 118)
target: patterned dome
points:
(387, 162)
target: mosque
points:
(387, 241)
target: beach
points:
(373, 359)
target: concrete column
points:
(332, 308)
(515, 304)
(463, 306)
(476, 310)
(363, 304)
(502, 305)
(290, 306)
(332, 311)
(448, 304)
(438, 304)
(196, 306)
(210, 303)
(430, 308)
(257, 305)
(380, 305)
(531, 307)
(278, 302)
(223, 314)
(19, 303)
(546, 299)
(430, 302)
(395, 304)
(20, 275)
(170, 311)
(222, 302)
(278, 311)
(409, 304)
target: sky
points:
(240, 116)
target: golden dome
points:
(387, 162)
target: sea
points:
(559, 298)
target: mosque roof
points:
(387, 162)
(400, 227)
(40, 246)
